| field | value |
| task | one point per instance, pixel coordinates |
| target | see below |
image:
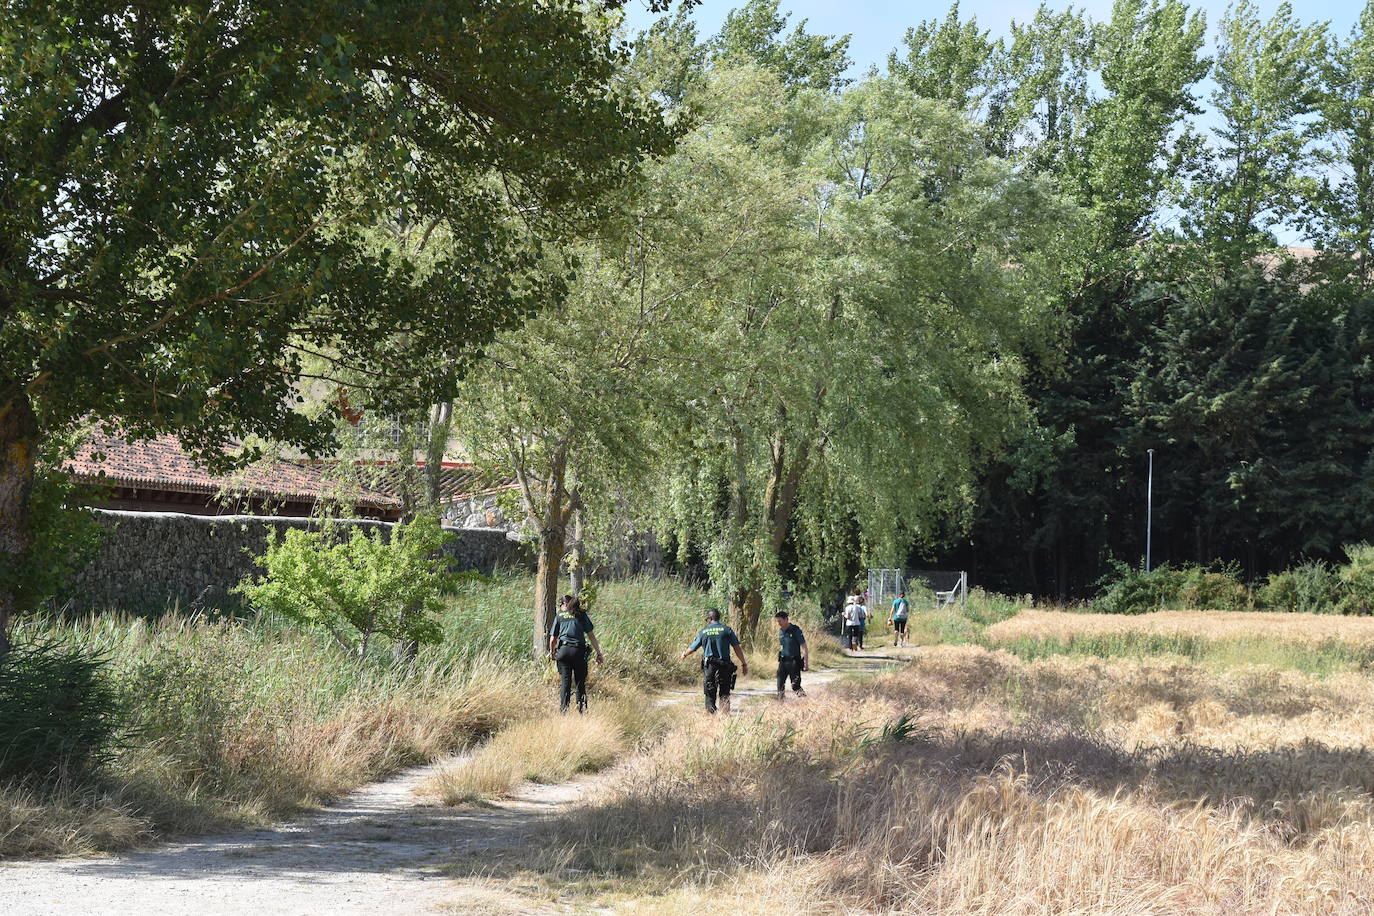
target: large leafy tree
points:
(580, 403)
(877, 356)
(1339, 200)
(187, 192)
(1268, 87)
(1050, 514)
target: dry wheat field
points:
(1212, 625)
(974, 782)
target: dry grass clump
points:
(976, 783)
(1210, 625)
(63, 820)
(549, 749)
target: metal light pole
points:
(1149, 506)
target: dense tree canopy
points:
(188, 193)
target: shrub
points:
(987, 608)
(1213, 589)
(358, 587)
(1134, 591)
(1309, 588)
(1357, 580)
(59, 710)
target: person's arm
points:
(600, 659)
(806, 655)
(743, 665)
(553, 642)
(696, 644)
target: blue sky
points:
(877, 25)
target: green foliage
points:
(986, 608)
(1357, 580)
(358, 586)
(1135, 591)
(754, 32)
(261, 145)
(1132, 590)
(65, 535)
(1308, 588)
(60, 710)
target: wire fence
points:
(935, 588)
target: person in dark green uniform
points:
(715, 640)
(793, 655)
(571, 641)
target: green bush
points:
(1309, 588)
(1131, 590)
(357, 587)
(1218, 589)
(1357, 580)
(986, 608)
(59, 710)
(1134, 591)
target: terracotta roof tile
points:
(457, 480)
(162, 464)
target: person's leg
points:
(580, 675)
(709, 683)
(565, 675)
(724, 686)
(782, 675)
(795, 666)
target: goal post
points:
(939, 588)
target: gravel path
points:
(378, 850)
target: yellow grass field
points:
(1210, 625)
(974, 782)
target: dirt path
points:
(378, 850)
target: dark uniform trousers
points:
(719, 680)
(571, 659)
(789, 666)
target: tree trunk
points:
(577, 556)
(746, 606)
(551, 544)
(18, 445)
(440, 425)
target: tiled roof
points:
(457, 480)
(162, 464)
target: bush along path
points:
(381, 849)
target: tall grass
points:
(1315, 643)
(241, 721)
(549, 749)
(975, 783)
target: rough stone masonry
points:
(147, 561)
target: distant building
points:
(158, 475)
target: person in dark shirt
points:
(571, 641)
(715, 640)
(793, 655)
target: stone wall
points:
(480, 511)
(148, 560)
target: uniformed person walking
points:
(715, 640)
(571, 641)
(793, 655)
